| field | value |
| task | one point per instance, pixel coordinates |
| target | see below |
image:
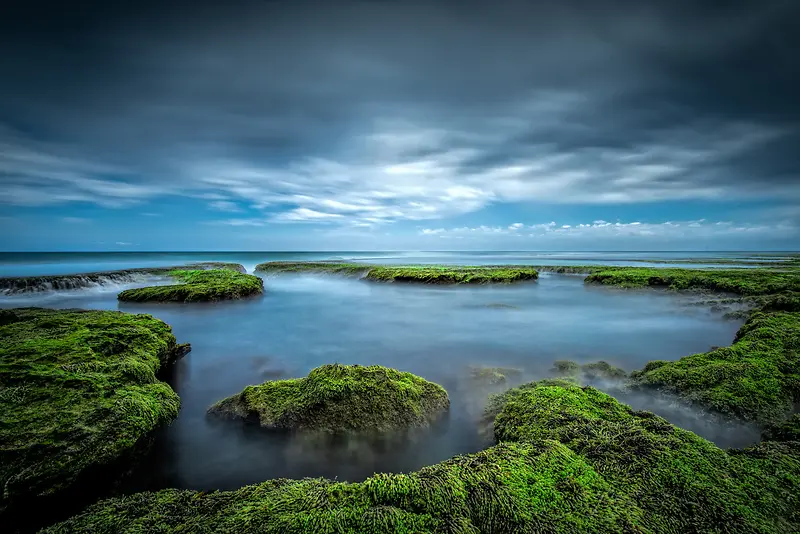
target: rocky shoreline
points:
(566, 458)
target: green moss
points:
(739, 281)
(198, 286)
(324, 267)
(441, 274)
(514, 487)
(674, 480)
(340, 398)
(78, 389)
(492, 376)
(573, 460)
(756, 378)
(426, 274)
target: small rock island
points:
(199, 286)
(340, 399)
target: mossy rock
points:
(340, 399)
(739, 281)
(757, 378)
(78, 391)
(667, 479)
(573, 460)
(199, 286)
(494, 376)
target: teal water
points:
(44, 263)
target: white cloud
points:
(604, 229)
(224, 205)
(238, 222)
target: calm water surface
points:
(437, 332)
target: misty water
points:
(304, 321)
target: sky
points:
(400, 125)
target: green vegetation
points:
(492, 376)
(666, 479)
(440, 274)
(327, 267)
(739, 281)
(78, 390)
(756, 378)
(571, 460)
(340, 398)
(425, 274)
(198, 286)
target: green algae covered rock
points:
(450, 274)
(340, 398)
(739, 281)
(571, 460)
(668, 479)
(199, 286)
(78, 390)
(513, 487)
(757, 378)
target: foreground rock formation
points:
(571, 460)
(78, 392)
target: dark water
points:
(43, 263)
(437, 332)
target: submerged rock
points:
(571, 460)
(199, 286)
(78, 392)
(590, 371)
(492, 376)
(340, 398)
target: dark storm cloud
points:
(380, 111)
